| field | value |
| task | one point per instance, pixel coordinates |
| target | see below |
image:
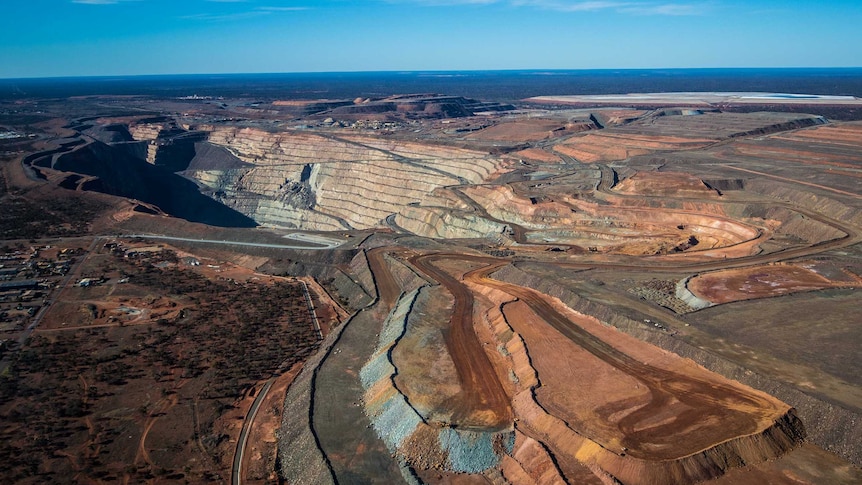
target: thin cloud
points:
(673, 9)
(210, 17)
(282, 9)
(101, 2)
(590, 6)
(256, 12)
(631, 7)
(446, 3)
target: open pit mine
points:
(661, 290)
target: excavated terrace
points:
(625, 408)
(312, 181)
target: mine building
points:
(19, 285)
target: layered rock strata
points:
(439, 223)
(619, 228)
(310, 181)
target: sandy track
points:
(387, 287)
(484, 403)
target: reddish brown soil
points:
(427, 375)
(528, 130)
(615, 117)
(387, 287)
(329, 313)
(538, 154)
(143, 399)
(574, 384)
(674, 409)
(671, 184)
(261, 448)
(530, 462)
(764, 281)
(597, 147)
(841, 134)
(436, 477)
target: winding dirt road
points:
(484, 404)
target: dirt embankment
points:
(484, 402)
(396, 405)
(832, 427)
(767, 281)
(299, 454)
(574, 444)
(349, 294)
(687, 424)
(359, 267)
(666, 184)
(837, 210)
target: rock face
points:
(446, 224)
(311, 181)
(496, 212)
(113, 169)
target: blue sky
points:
(124, 37)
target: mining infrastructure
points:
(425, 288)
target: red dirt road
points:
(387, 287)
(484, 403)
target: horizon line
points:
(419, 71)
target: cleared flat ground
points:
(814, 329)
(767, 281)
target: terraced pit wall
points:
(441, 223)
(328, 182)
(831, 427)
